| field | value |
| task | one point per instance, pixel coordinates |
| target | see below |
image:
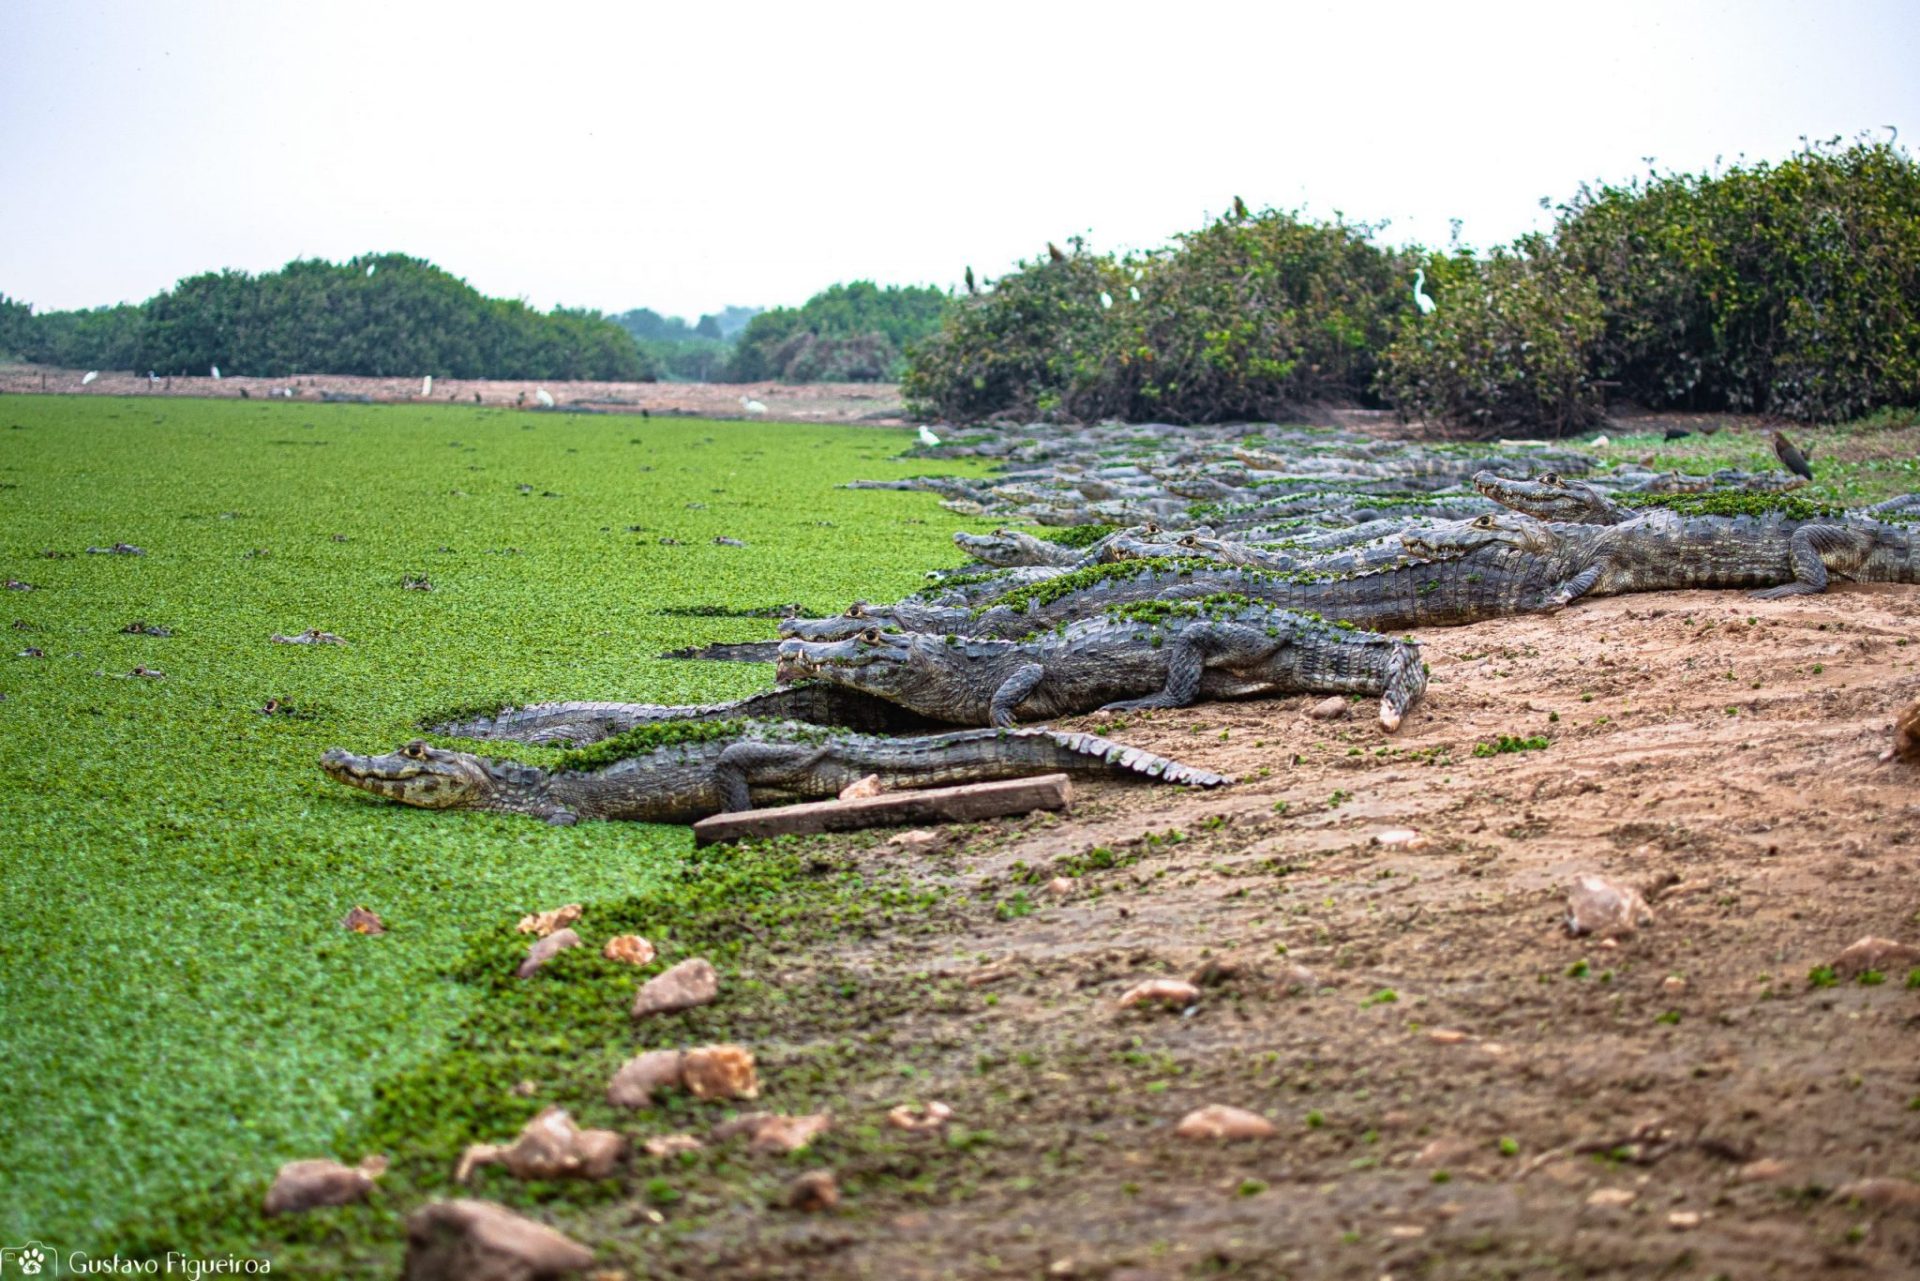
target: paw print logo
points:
(31, 1261)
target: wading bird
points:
(91, 375)
(1792, 459)
(927, 438)
(1420, 299)
(752, 406)
(540, 394)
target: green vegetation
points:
(1791, 506)
(853, 332)
(1510, 743)
(1075, 535)
(177, 981)
(687, 353)
(384, 315)
(1790, 288)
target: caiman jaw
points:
(1461, 538)
(873, 653)
(416, 774)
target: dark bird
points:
(971, 287)
(1053, 252)
(1239, 207)
(1790, 458)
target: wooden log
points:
(929, 805)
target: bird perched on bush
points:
(1792, 459)
(1053, 252)
(1420, 299)
(1239, 208)
(971, 288)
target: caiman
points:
(1154, 654)
(1665, 550)
(1553, 497)
(680, 773)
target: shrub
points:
(1509, 345)
(852, 331)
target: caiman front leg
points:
(745, 764)
(1189, 656)
(1012, 692)
(1807, 550)
(1574, 588)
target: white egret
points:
(91, 375)
(540, 394)
(426, 386)
(1133, 292)
(928, 438)
(1106, 299)
(752, 406)
(216, 372)
(1420, 299)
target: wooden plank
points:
(931, 805)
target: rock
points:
(464, 1240)
(1673, 984)
(789, 1133)
(1605, 908)
(633, 1085)
(1881, 1194)
(628, 949)
(915, 839)
(1060, 887)
(720, 1072)
(1448, 1151)
(545, 923)
(545, 950)
(692, 982)
(1401, 838)
(1176, 992)
(1328, 709)
(1683, 1220)
(363, 920)
(931, 1117)
(307, 1185)
(1218, 1121)
(550, 1146)
(1765, 1170)
(671, 1145)
(814, 1192)
(868, 786)
(1611, 1198)
(1885, 956)
(1406, 1231)
(1446, 1036)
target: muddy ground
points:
(785, 402)
(1460, 1089)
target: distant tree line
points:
(1790, 288)
(377, 315)
(855, 332)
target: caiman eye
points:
(871, 636)
(1553, 478)
(857, 610)
(416, 750)
(1483, 522)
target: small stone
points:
(1063, 1268)
(814, 1192)
(914, 839)
(671, 1145)
(1906, 734)
(1611, 1198)
(1765, 1170)
(1673, 983)
(308, 1185)
(1218, 1121)
(1448, 1151)
(931, 1117)
(868, 786)
(1446, 1036)
(628, 949)
(1406, 1231)
(1683, 1220)
(363, 920)
(789, 1133)
(1293, 980)
(1060, 887)
(1400, 838)
(1871, 953)
(465, 1240)
(1605, 908)
(545, 950)
(1328, 709)
(720, 1072)
(545, 923)
(1176, 992)
(633, 1085)
(1881, 1194)
(550, 1146)
(691, 983)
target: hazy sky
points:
(692, 155)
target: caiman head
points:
(872, 660)
(417, 774)
(1552, 497)
(1458, 538)
(997, 548)
(858, 618)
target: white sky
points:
(688, 156)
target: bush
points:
(1509, 345)
(1037, 344)
(847, 332)
(1791, 288)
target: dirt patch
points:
(1460, 1088)
(785, 402)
